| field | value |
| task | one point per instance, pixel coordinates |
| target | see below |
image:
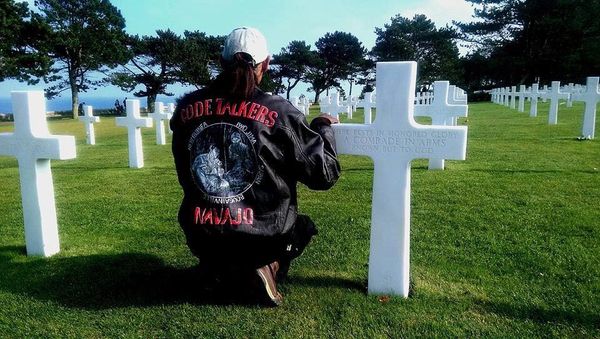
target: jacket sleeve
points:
(179, 149)
(315, 157)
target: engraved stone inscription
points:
(396, 141)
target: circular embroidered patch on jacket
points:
(223, 161)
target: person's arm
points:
(315, 156)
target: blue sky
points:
(281, 21)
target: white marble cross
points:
(324, 103)
(34, 147)
(393, 141)
(335, 107)
(554, 95)
(134, 122)
(591, 98)
(159, 117)
(418, 98)
(513, 97)
(496, 94)
(296, 103)
(521, 95)
(351, 103)
(441, 113)
(545, 90)
(306, 103)
(457, 96)
(170, 112)
(570, 88)
(534, 95)
(89, 119)
(367, 104)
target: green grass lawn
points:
(504, 244)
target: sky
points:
(281, 21)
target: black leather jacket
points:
(239, 162)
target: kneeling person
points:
(239, 154)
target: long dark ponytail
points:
(238, 79)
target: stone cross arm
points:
(89, 119)
(59, 147)
(446, 111)
(440, 107)
(133, 122)
(88, 115)
(592, 94)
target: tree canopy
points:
(74, 44)
(153, 64)
(536, 40)
(418, 39)
(199, 58)
(18, 32)
(292, 63)
(83, 36)
(165, 59)
(338, 55)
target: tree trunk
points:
(75, 103)
(291, 86)
(150, 100)
(74, 96)
(317, 95)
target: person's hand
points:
(330, 118)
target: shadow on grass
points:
(327, 282)
(124, 280)
(107, 281)
(541, 315)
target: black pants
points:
(245, 251)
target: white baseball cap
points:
(247, 40)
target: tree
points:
(536, 40)
(366, 77)
(418, 39)
(154, 64)
(18, 59)
(477, 74)
(292, 63)
(275, 79)
(268, 84)
(363, 73)
(338, 56)
(84, 36)
(199, 58)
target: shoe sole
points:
(275, 299)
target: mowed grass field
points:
(504, 244)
